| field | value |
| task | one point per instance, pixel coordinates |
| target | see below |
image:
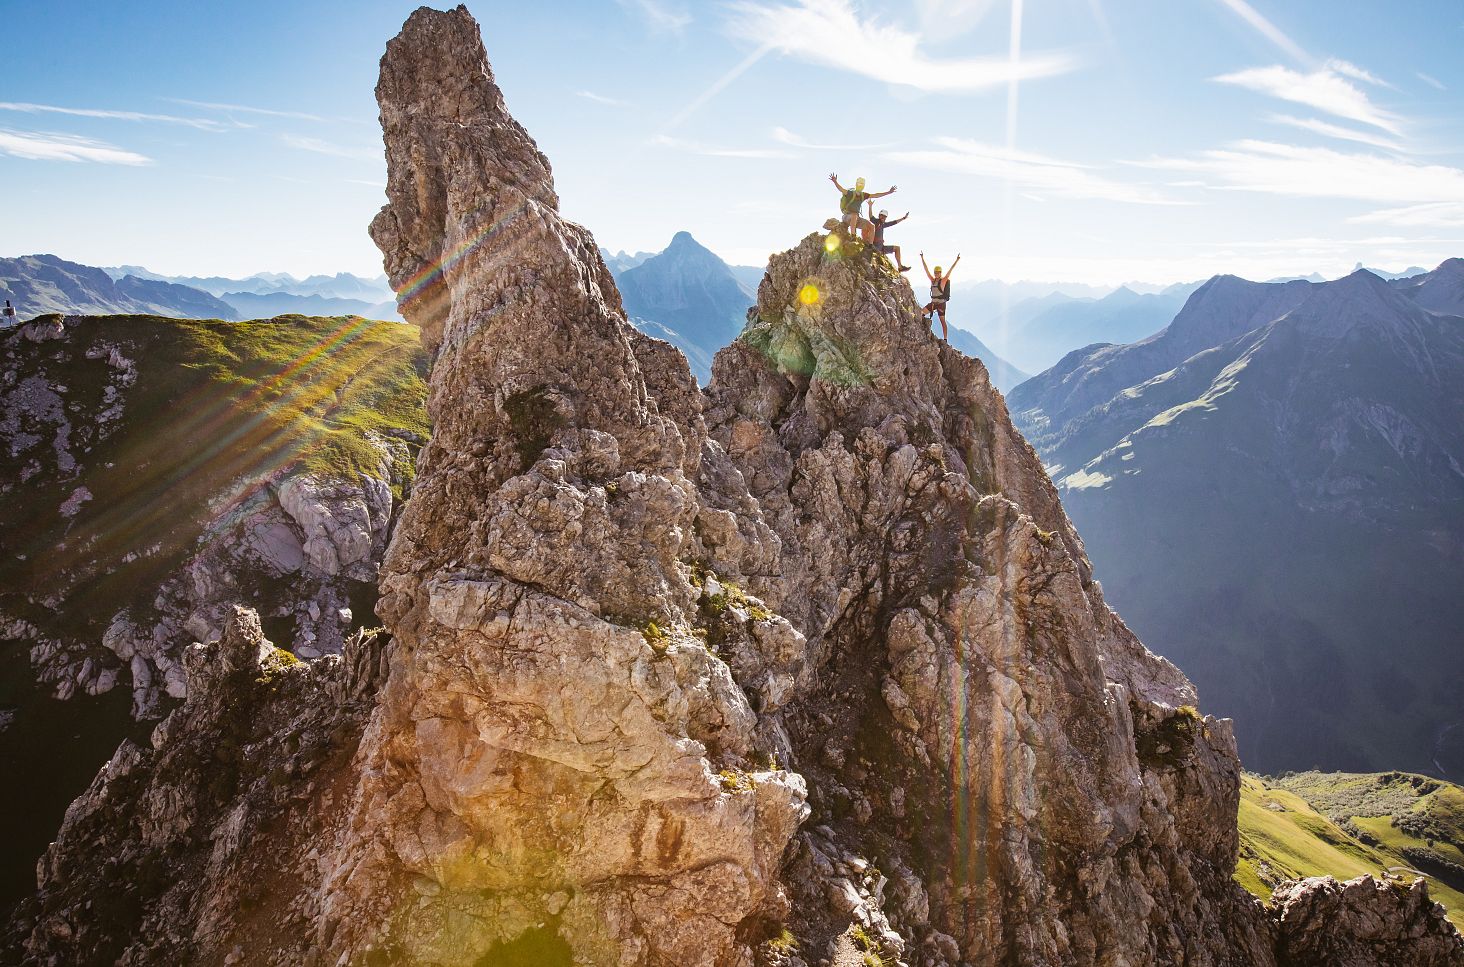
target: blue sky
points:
(1102, 141)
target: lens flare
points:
(832, 244)
(435, 272)
(809, 295)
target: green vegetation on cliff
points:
(1346, 825)
(128, 432)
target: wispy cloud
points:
(204, 124)
(1033, 172)
(717, 86)
(320, 146)
(830, 33)
(1305, 172)
(1439, 214)
(1329, 89)
(1430, 80)
(784, 136)
(1327, 128)
(661, 15)
(48, 146)
(1349, 69)
(246, 109)
(600, 98)
(1267, 29)
(713, 151)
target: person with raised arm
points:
(879, 223)
(940, 293)
(851, 200)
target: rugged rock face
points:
(1362, 922)
(193, 849)
(809, 668)
(145, 498)
(846, 526)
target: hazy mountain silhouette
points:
(1273, 489)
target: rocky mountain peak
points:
(806, 667)
(721, 631)
(1441, 290)
(438, 96)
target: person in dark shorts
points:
(853, 199)
(878, 225)
(940, 293)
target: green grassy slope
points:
(1345, 825)
(215, 408)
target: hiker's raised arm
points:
(924, 265)
(893, 189)
(835, 179)
(898, 220)
(953, 265)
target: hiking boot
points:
(904, 268)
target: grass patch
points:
(783, 943)
(1305, 825)
(735, 780)
(871, 954)
(732, 596)
(215, 407)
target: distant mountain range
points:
(342, 285)
(618, 262)
(687, 292)
(277, 293)
(1038, 332)
(1273, 488)
(38, 284)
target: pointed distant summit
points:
(689, 297)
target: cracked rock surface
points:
(808, 668)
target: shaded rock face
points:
(192, 848)
(810, 667)
(111, 589)
(1362, 923)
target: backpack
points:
(849, 202)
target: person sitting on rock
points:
(878, 224)
(853, 199)
(940, 293)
